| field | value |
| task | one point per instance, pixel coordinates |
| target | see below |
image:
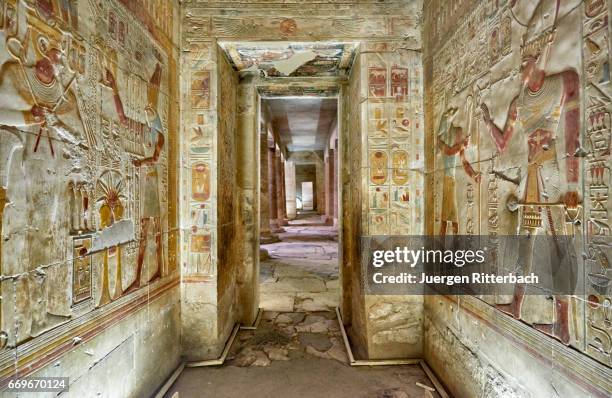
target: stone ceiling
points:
(286, 59)
(303, 123)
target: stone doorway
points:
(299, 268)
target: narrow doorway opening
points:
(299, 210)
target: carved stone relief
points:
(520, 135)
(84, 138)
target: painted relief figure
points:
(545, 113)
(37, 82)
(150, 222)
(451, 143)
(39, 106)
(64, 11)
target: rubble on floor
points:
(283, 336)
(299, 354)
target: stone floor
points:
(301, 273)
(297, 354)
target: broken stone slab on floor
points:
(244, 358)
(336, 352)
(321, 325)
(317, 301)
(289, 331)
(289, 318)
(392, 393)
(277, 302)
(277, 354)
(269, 315)
(283, 319)
(315, 317)
(261, 359)
(318, 341)
(294, 285)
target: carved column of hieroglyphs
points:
(598, 124)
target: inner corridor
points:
(300, 272)
(201, 198)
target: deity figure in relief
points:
(150, 248)
(452, 142)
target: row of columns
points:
(278, 188)
(273, 195)
(290, 188)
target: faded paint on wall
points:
(87, 137)
(517, 94)
(390, 32)
(392, 120)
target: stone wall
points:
(350, 272)
(198, 211)
(212, 203)
(228, 225)
(390, 35)
(247, 223)
(517, 113)
(392, 183)
(382, 184)
(88, 153)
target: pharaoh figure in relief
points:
(42, 140)
(38, 80)
(452, 142)
(546, 115)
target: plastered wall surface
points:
(523, 87)
(88, 148)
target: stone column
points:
(329, 187)
(245, 228)
(319, 186)
(284, 186)
(266, 235)
(2, 204)
(280, 201)
(335, 182)
(272, 200)
(290, 189)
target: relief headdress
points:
(17, 31)
(541, 30)
(152, 98)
